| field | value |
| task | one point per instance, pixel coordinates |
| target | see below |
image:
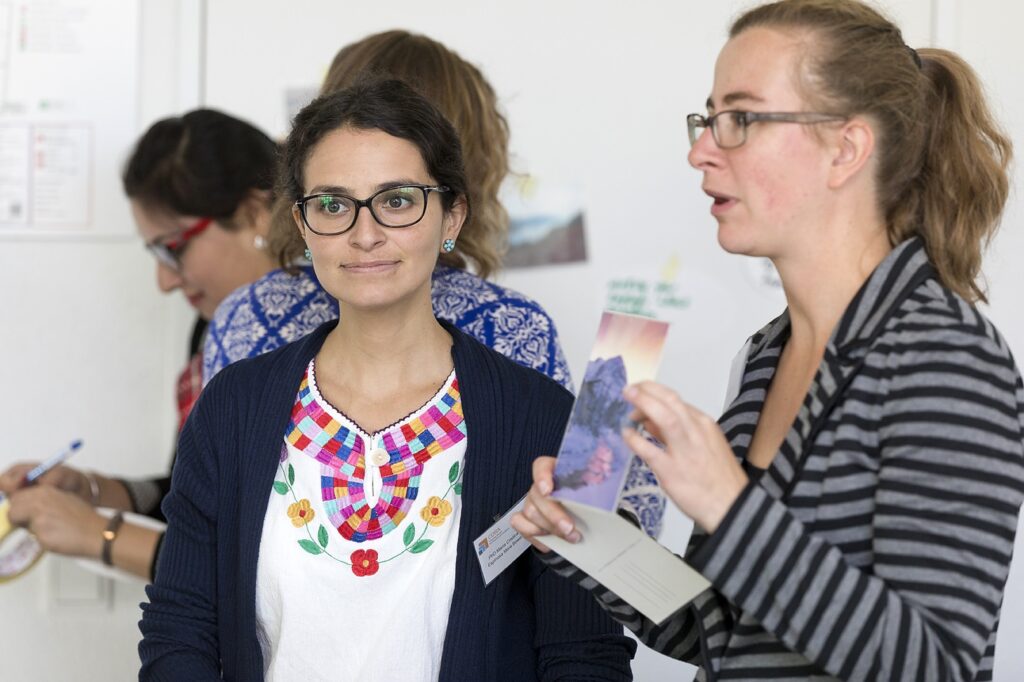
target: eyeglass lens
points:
(168, 252)
(395, 207)
(728, 128)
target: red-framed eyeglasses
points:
(168, 251)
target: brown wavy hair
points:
(460, 91)
(942, 157)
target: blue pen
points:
(59, 458)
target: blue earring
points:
(448, 246)
(308, 254)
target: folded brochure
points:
(591, 469)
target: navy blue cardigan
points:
(200, 622)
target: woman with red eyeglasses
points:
(200, 192)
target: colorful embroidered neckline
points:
(322, 433)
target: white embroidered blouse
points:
(357, 557)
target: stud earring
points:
(308, 254)
(448, 246)
(260, 242)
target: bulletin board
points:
(68, 113)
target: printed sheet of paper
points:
(68, 114)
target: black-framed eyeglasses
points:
(168, 252)
(729, 128)
(329, 214)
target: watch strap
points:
(109, 535)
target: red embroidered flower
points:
(364, 562)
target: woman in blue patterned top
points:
(289, 303)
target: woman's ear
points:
(454, 218)
(254, 212)
(300, 225)
(855, 145)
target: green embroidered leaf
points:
(322, 536)
(458, 488)
(410, 533)
(291, 474)
(421, 546)
(280, 487)
(453, 473)
(309, 546)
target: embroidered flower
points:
(364, 562)
(436, 511)
(300, 513)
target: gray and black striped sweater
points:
(877, 544)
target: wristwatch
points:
(109, 535)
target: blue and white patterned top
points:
(280, 308)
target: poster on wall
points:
(655, 292)
(68, 114)
(546, 222)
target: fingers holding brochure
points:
(696, 466)
(541, 515)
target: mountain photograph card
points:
(593, 460)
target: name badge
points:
(500, 545)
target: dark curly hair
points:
(390, 106)
(204, 163)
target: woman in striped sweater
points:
(855, 506)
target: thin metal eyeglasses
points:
(168, 252)
(329, 214)
(729, 128)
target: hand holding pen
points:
(62, 522)
(50, 472)
(33, 475)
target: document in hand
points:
(591, 468)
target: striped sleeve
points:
(675, 637)
(945, 498)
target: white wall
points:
(90, 349)
(596, 96)
(983, 33)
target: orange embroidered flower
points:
(436, 511)
(364, 562)
(300, 513)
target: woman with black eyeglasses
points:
(855, 507)
(200, 187)
(327, 494)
